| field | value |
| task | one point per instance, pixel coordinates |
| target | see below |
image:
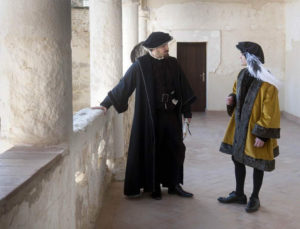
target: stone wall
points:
(222, 23)
(80, 58)
(69, 194)
(292, 82)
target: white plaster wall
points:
(292, 83)
(80, 58)
(70, 194)
(222, 24)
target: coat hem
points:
(260, 164)
(226, 148)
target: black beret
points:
(252, 48)
(156, 39)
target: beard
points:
(166, 55)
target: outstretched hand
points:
(100, 108)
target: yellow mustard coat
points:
(259, 117)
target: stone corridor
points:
(209, 174)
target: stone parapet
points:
(60, 186)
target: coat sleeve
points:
(120, 94)
(268, 125)
(230, 108)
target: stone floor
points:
(209, 174)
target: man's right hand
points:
(229, 100)
(100, 108)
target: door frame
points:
(205, 68)
(213, 50)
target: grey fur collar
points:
(242, 118)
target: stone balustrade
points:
(60, 186)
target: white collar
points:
(157, 58)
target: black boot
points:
(253, 204)
(233, 198)
(156, 194)
(179, 191)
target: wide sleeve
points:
(120, 94)
(268, 125)
(106, 102)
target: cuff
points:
(106, 102)
(230, 108)
(263, 139)
(263, 132)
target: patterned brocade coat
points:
(259, 117)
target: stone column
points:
(36, 72)
(130, 29)
(143, 21)
(130, 39)
(106, 64)
(105, 47)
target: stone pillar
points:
(36, 72)
(80, 57)
(106, 64)
(143, 21)
(130, 29)
(105, 47)
(130, 39)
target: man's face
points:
(243, 60)
(161, 51)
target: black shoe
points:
(253, 205)
(133, 196)
(179, 191)
(156, 194)
(233, 198)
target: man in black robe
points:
(156, 150)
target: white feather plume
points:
(257, 70)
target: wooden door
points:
(192, 59)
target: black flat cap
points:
(252, 48)
(156, 39)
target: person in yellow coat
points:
(254, 125)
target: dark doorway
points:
(192, 59)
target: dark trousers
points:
(240, 175)
(170, 150)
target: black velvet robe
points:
(140, 169)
